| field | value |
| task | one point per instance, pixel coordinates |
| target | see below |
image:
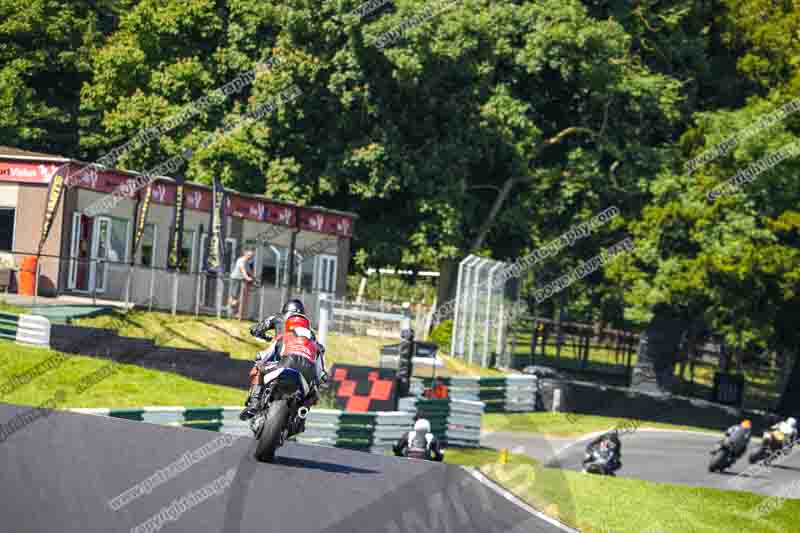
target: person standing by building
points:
(241, 278)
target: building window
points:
(187, 251)
(307, 273)
(326, 273)
(148, 245)
(270, 265)
(7, 219)
(230, 254)
(119, 238)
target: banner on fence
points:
(364, 388)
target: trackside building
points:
(86, 255)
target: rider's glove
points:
(258, 329)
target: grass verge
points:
(8, 308)
(595, 504)
(233, 336)
(125, 385)
(568, 425)
(603, 504)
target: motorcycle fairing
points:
(289, 374)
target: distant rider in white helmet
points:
(789, 429)
(420, 443)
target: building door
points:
(101, 242)
(80, 251)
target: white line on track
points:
(524, 527)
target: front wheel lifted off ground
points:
(270, 437)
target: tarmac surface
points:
(62, 471)
(679, 457)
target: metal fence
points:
(484, 300)
(155, 289)
(373, 319)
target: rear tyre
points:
(270, 437)
(718, 461)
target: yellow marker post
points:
(504, 456)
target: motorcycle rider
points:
(789, 429)
(296, 347)
(419, 443)
(609, 440)
(739, 437)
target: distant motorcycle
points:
(771, 443)
(598, 461)
(723, 456)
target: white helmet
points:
(422, 425)
(792, 422)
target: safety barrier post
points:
(218, 286)
(199, 278)
(261, 303)
(152, 286)
(325, 311)
(36, 281)
(175, 292)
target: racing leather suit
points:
(739, 438)
(615, 461)
(296, 347)
(790, 433)
(419, 445)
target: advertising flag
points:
(141, 218)
(54, 193)
(176, 239)
(215, 253)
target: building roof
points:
(8, 152)
(16, 153)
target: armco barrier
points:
(374, 432)
(25, 329)
(502, 394)
(457, 423)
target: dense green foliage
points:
(442, 335)
(492, 127)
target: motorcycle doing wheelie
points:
(283, 404)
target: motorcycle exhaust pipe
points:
(302, 412)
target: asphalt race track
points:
(60, 471)
(663, 456)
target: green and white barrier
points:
(501, 395)
(25, 329)
(457, 423)
(374, 432)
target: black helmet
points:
(293, 306)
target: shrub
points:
(442, 335)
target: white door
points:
(326, 273)
(101, 241)
(73, 252)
